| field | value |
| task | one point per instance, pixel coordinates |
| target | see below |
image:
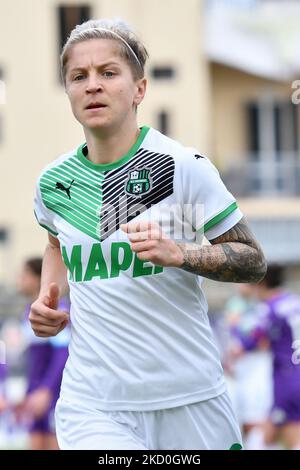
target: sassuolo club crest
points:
(139, 182)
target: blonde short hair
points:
(131, 48)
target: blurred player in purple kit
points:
(46, 359)
(279, 322)
(249, 369)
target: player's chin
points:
(96, 123)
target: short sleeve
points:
(214, 209)
(43, 215)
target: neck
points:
(107, 147)
(268, 294)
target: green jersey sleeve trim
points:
(120, 161)
(46, 227)
(215, 220)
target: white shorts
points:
(209, 424)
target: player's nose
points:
(94, 83)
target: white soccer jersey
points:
(141, 339)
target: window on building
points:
(3, 235)
(162, 72)
(273, 126)
(253, 123)
(163, 122)
(68, 17)
(273, 145)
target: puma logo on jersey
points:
(63, 188)
(197, 156)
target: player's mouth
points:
(95, 106)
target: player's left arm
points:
(234, 256)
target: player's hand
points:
(38, 402)
(34, 405)
(44, 317)
(150, 243)
(19, 410)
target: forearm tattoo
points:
(235, 256)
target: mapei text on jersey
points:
(121, 259)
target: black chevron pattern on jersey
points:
(118, 206)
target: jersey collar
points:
(111, 166)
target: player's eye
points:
(108, 73)
(78, 77)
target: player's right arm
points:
(44, 317)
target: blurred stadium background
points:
(222, 78)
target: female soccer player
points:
(124, 212)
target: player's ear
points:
(141, 86)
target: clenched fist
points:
(44, 317)
(150, 243)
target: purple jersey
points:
(280, 323)
(46, 358)
(3, 373)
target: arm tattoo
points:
(235, 256)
